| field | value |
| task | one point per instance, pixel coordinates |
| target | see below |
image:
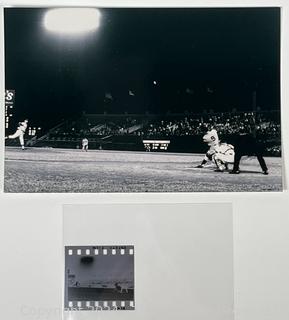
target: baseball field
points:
(65, 170)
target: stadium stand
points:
(127, 131)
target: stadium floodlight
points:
(72, 20)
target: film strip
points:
(99, 278)
(100, 305)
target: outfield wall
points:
(184, 144)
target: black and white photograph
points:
(104, 100)
(99, 278)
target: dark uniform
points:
(247, 145)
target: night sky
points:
(170, 59)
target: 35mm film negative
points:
(99, 278)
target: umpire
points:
(247, 145)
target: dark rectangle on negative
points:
(99, 294)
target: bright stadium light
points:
(72, 20)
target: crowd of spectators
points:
(266, 124)
(225, 124)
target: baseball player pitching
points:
(22, 126)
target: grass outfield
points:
(65, 170)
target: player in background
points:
(22, 126)
(220, 153)
(84, 144)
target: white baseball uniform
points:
(220, 153)
(84, 144)
(22, 126)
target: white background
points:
(31, 224)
